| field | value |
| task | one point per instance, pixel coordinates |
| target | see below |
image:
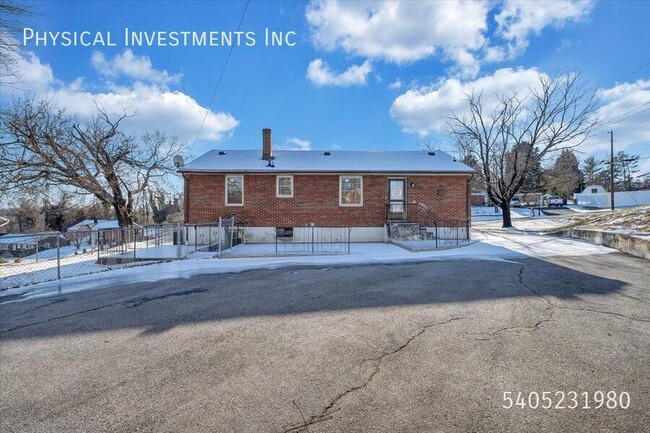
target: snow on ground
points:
(74, 262)
(51, 253)
(635, 222)
(166, 252)
(499, 246)
(526, 224)
(489, 213)
(28, 271)
(582, 209)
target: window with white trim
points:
(284, 186)
(350, 191)
(234, 190)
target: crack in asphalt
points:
(549, 312)
(612, 313)
(65, 316)
(327, 412)
(548, 317)
(523, 283)
(131, 303)
(144, 299)
(58, 301)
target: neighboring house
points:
(94, 224)
(480, 198)
(90, 230)
(359, 189)
(21, 244)
(594, 189)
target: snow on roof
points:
(24, 238)
(99, 225)
(314, 161)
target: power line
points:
(635, 71)
(634, 109)
(223, 70)
(624, 117)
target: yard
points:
(425, 346)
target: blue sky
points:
(360, 75)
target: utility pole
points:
(611, 168)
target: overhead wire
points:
(223, 70)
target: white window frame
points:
(226, 190)
(341, 192)
(277, 186)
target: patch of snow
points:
(489, 246)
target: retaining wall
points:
(636, 246)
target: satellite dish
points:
(178, 161)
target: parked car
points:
(552, 200)
(515, 202)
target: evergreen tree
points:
(565, 176)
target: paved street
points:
(426, 347)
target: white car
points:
(553, 200)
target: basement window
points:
(234, 190)
(284, 186)
(351, 191)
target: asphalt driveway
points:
(406, 347)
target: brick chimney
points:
(266, 144)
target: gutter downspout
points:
(186, 200)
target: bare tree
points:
(162, 206)
(559, 113)
(10, 24)
(43, 145)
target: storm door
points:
(397, 199)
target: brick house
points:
(358, 189)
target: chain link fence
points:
(39, 257)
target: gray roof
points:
(313, 161)
(26, 238)
(90, 223)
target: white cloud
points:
(156, 106)
(454, 31)
(296, 144)
(517, 20)
(396, 85)
(27, 72)
(398, 32)
(425, 109)
(626, 111)
(319, 73)
(132, 66)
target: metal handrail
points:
(413, 213)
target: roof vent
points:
(326, 153)
(222, 152)
(432, 153)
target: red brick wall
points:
(477, 199)
(316, 200)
